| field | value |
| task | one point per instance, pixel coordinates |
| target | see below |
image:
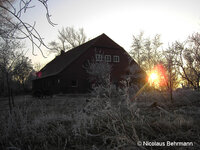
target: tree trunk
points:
(12, 98)
(198, 88)
(9, 93)
(170, 82)
(171, 94)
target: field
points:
(97, 122)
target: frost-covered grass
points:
(39, 123)
(104, 120)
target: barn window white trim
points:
(116, 59)
(99, 57)
(107, 58)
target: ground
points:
(79, 122)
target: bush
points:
(121, 125)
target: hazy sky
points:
(119, 19)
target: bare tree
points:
(99, 72)
(12, 25)
(22, 69)
(68, 38)
(100, 78)
(138, 48)
(14, 66)
(156, 47)
(170, 60)
(8, 57)
(145, 51)
(193, 58)
(189, 60)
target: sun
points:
(153, 78)
(158, 76)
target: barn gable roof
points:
(59, 63)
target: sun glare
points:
(157, 77)
(153, 78)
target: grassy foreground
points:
(102, 122)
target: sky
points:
(119, 19)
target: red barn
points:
(66, 73)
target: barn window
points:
(74, 83)
(115, 58)
(99, 57)
(107, 58)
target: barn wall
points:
(77, 71)
(46, 84)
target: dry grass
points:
(89, 122)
